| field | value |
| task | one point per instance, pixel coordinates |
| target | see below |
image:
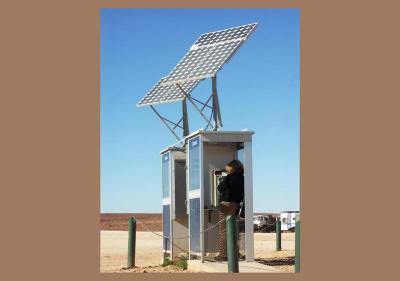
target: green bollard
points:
(131, 242)
(297, 245)
(232, 247)
(278, 235)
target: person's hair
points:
(237, 166)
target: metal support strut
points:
(185, 118)
(216, 110)
(164, 120)
(192, 102)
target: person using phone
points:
(231, 190)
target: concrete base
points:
(222, 266)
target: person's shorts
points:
(228, 208)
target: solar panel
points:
(226, 34)
(162, 93)
(203, 60)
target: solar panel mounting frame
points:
(169, 89)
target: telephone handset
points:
(216, 177)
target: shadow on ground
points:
(276, 261)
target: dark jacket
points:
(231, 188)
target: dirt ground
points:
(113, 252)
(146, 221)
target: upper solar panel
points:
(204, 59)
(202, 62)
(226, 34)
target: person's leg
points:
(225, 208)
(228, 208)
(231, 208)
(222, 237)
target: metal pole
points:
(131, 242)
(214, 102)
(216, 109)
(232, 247)
(185, 118)
(278, 235)
(297, 245)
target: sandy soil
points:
(114, 249)
(146, 221)
(264, 250)
(113, 252)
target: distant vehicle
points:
(288, 220)
(264, 223)
(259, 221)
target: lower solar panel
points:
(166, 227)
(162, 93)
(194, 224)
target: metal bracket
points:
(165, 120)
(215, 110)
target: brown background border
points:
(50, 139)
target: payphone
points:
(216, 176)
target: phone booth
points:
(207, 153)
(190, 172)
(174, 217)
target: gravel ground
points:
(264, 250)
(155, 269)
(113, 252)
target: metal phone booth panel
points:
(207, 154)
(175, 219)
(166, 203)
(194, 182)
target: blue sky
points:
(258, 89)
